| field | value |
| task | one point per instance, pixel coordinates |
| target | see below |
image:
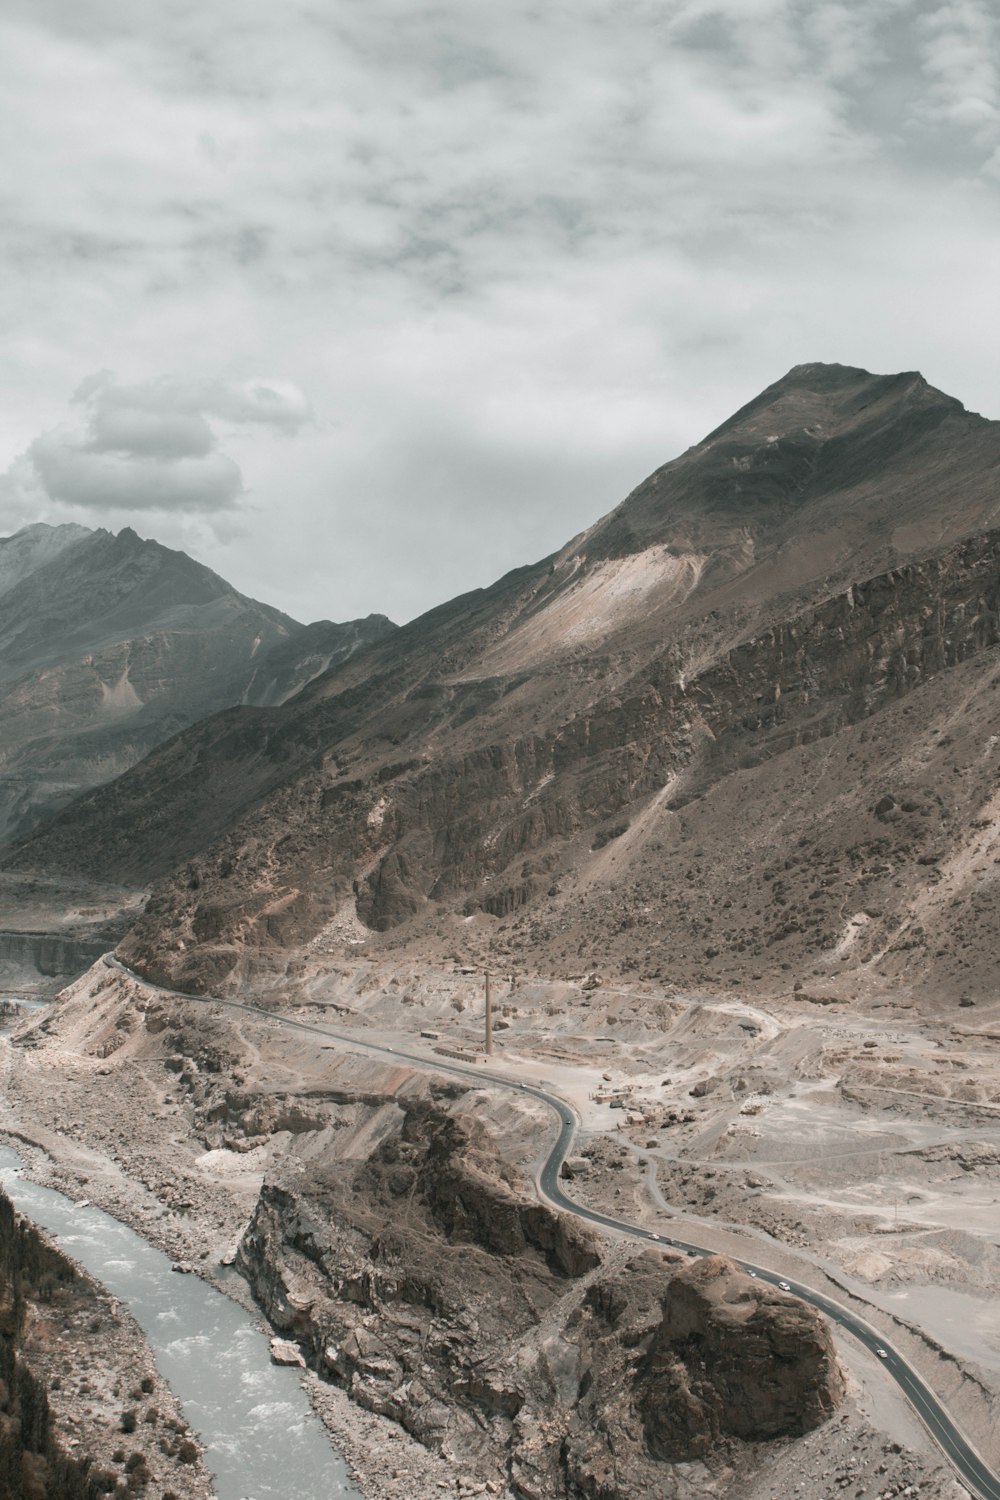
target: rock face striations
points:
(111, 644)
(579, 748)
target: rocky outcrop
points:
(700, 1359)
(428, 1285)
(733, 1359)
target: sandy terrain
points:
(764, 1130)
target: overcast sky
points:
(363, 302)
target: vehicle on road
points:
(784, 1286)
(882, 1353)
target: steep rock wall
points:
(49, 954)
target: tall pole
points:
(489, 1017)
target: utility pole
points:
(489, 1017)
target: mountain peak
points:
(111, 642)
(831, 397)
(44, 534)
(748, 598)
(822, 430)
(818, 375)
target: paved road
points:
(973, 1470)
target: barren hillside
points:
(740, 729)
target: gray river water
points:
(263, 1441)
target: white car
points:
(882, 1353)
(654, 1236)
(783, 1285)
(753, 1274)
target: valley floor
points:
(859, 1151)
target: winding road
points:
(973, 1470)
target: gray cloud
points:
(150, 446)
(516, 255)
(76, 473)
(166, 435)
(960, 41)
(171, 399)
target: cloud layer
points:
(515, 256)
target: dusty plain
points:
(761, 1130)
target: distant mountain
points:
(111, 644)
(744, 727)
(285, 668)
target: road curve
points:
(967, 1462)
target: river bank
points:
(84, 1406)
(124, 1148)
(257, 1431)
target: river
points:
(263, 1441)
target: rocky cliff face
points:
(32, 1461)
(111, 644)
(801, 573)
(436, 1293)
(47, 954)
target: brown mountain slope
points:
(540, 751)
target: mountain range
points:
(743, 729)
(111, 644)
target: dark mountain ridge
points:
(110, 644)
